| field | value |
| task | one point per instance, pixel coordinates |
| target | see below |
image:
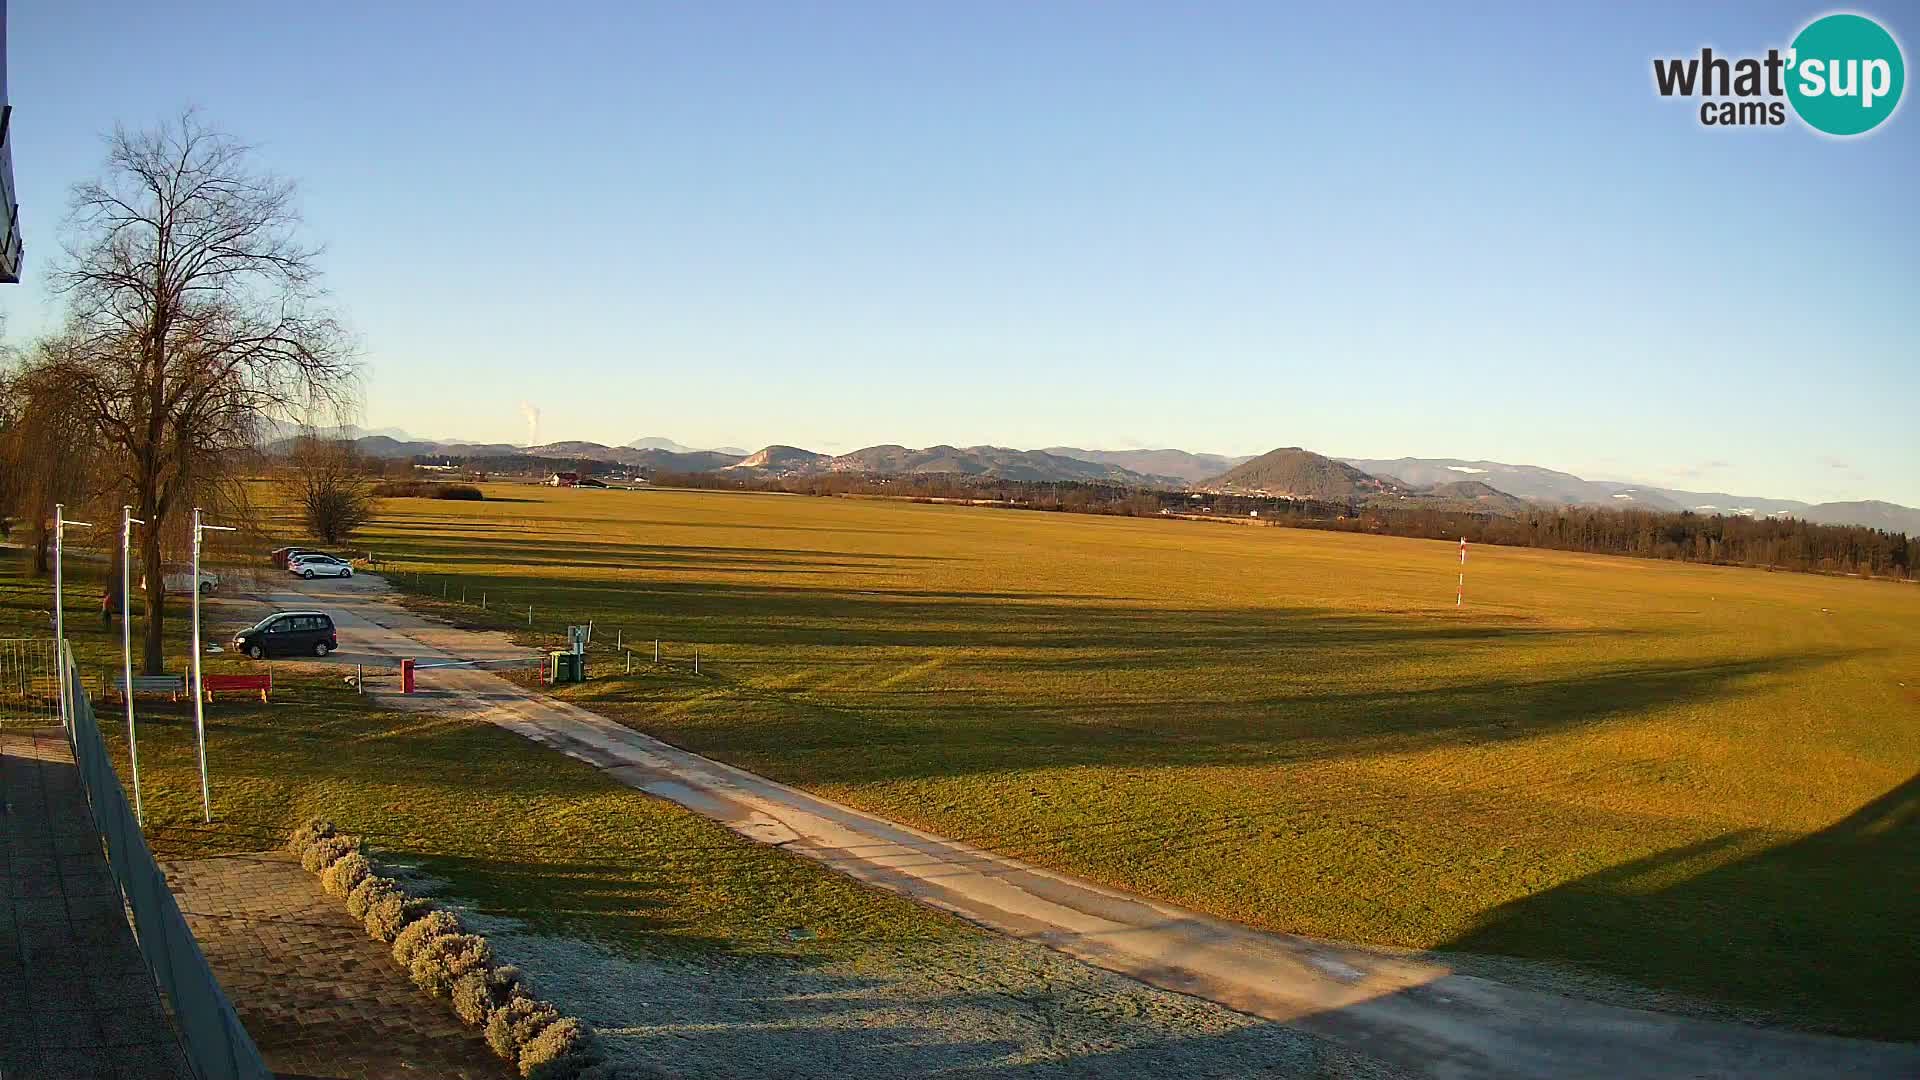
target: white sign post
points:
(127, 522)
(60, 524)
(199, 693)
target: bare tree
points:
(194, 316)
(329, 482)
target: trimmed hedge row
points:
(445, 961)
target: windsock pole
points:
(1460, 592)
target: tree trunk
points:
(150, 635)
(42, 542)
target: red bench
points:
(237, 684)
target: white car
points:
(313, 566)
(179, 579)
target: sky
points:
(1220, 227)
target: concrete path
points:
(1417, 1014)
(76, 999)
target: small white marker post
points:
(656, 650)
(1460, 592)
(199, 695)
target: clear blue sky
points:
(1228, 228)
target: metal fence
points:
(29, 690)
(217, 1046)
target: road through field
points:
(1414, 1012)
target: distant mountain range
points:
(656, 442)
(1177, 464)
(1448, 483)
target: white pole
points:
(60, 524)
(199, 709)
(1460, 591)
(127, 521)
(199, 694)
(59, 612)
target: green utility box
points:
(566, 667)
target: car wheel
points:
(320, 649)
(346, 573)
(206, 587)
(256, 652)
(308, 574)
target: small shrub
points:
(462, 492)
(302, 838)
(371, 888)
(509, 980)
(391, 913)
(472, 996)
(347, 871)
(325, 851)
(514, 1025)
(439, 962)
(434, 924)
(561, 1051)
(476, 994)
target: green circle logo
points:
(1845, 74)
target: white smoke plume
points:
(532, 414)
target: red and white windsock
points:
(1460, 593)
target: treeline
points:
(1776, 543)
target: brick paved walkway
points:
(319, 997)
(76, 999)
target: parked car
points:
(179, 579)
(282, 555)
(313, 566)
(288, 633)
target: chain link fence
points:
(217, 1046)
(29, 690)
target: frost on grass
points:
(985, 1005)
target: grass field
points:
(1701, 779)
(517, 829)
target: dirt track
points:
(1416, 1013)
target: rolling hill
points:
(780, 460)
(1299, 473)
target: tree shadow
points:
(1822, 925)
